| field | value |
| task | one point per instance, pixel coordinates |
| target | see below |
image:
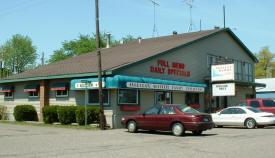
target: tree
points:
(83, 44)
(19, 53)
(266, 66)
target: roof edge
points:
(55, 77)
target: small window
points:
(192, 98)
(93, 97)
(153, 111)
(33, 94)
(61, 93)
(269, 103)
(167, 110)
(254, 104)
(128, 96)
(8, 94)
(163, 97)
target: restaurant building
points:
(139, 74)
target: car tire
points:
(250, 123)
(177, 129)
(132, 126)
(197, 132)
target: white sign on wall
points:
(227, 89)
(164, 87)
(223, 72)
(91, 85)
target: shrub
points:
(92, 115)
(25, 113)
(3, 112)
(50, 114)
(66, 114)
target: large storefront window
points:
(128, 96)
(162, 97)
(93, 98)
(248, 69)
(192, 98)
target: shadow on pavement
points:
(170, 133)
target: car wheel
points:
(197, 132)
(132, 126)
(177, 129)
(250, 123)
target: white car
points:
(243, 116)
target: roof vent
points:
(139, 40)
(175, 33)
(108, 40)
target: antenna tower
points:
(189, 3)
(155, 31)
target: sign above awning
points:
(119, 81)
(6, 89)
(31, 88)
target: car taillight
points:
(196, 119)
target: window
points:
(238, 70)
(8, 94)
(239, 111)
(128, 96)
(254, 104)
(227, 111)
(61, 93)
(153, 111)
(248, 71)
(33, 94)
(163, 97)
(243, 103)
(254, 110)
(93, 98)
(167, 110)
(187, 109)
(268, 103)
(192, 98)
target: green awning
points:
(133, 82)
(6, 89)
(31, 88)
(59, 86)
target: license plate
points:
(205, 119)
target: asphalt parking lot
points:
(29, 141)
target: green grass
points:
(41, 124)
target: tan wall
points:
(194, 57)
(20, 98)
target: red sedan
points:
(175, 118)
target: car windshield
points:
(186, 109)
(254, 110)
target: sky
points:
(50, 22)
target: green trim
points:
(243, 83)
(187, 44)
(90, 74)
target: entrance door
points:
(163, 97)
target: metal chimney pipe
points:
(108, 40)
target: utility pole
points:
(102, 117)
(223, 16)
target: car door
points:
(225, 117)
(148, 119)
(165, 117)
(238, 117)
